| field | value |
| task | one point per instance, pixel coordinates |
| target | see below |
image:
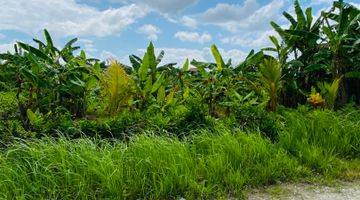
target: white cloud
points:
(317, 2)
(2, 36)
(66, 17)
(150, 31)
(188, 21)
(7, 47)
(357, 5)
(256, 40)
(250, 15)
(193, 36)
(107, 55)
(224, 12)
(163, 6)
(88, 45)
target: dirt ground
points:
(302, 191)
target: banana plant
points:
(299, 53)
(47, 77)
(303, 33)
(341, 28)
(217, 83)
(149, 76)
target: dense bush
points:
(253, 118)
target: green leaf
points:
(160, 57)
(186, 65)
(275, 41)
(135, 62)
(158, 83)
(299, 14)
(70, 43)
(34, 118)
(151, 56)
(290, 18)
(314, 67)
(83, 54)
(161, 94)
(148, 85)
(353, 74)
(328, 33)
(309, 17)
(34, 51)
(302, 33)
(186, 93)
(269, 49)
(48, 38)
(219, 60)
(40, 43)
(144, 67)
(278, 29)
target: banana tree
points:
(342, 31)
(47, 77)
(298, 53)
(220, 84)
(149, 76)
(303, 33)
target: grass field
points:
(209, 164)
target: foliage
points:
(322, 50)
(205, 165)
(150, 79)
(270, 72)
(148, 167)
(200, 131)
(330, 91)
(117, 88)
(8, 105)
(316, 99)
(47, 77)
(319, 138)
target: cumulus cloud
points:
(193, 36)
(88, 45)
(189, 22)
(256, 40)
(317, 2)
(66, 17)
(163, 6)
(224, 12)
(150, 31)
(250, 15)
(7, 47)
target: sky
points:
(118, 28)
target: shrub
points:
(253, 118)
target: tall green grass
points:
(207, 164)
(148, 167)
(319, 139)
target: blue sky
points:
(117, 28)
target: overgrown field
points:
(212, 163)
(74, 127)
